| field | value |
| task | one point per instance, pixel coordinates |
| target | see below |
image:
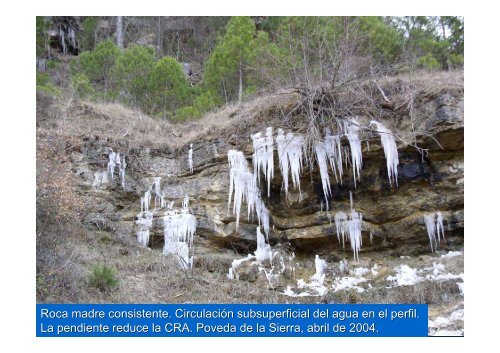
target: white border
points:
(18, 175)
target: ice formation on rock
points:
(123, 166)
(145, 201)
(157, 190)
(354, 230)
(190, 158)
(320, 266)
(405, 276)
(435, 229)
(243, 185)
(144, 223)
(114, 160)
(263, 251)
(321, 158)
(290, 155)
(349, 226)
(351, 130)
(333, 150)
(263, 156)
(179, 228)
(390, 151)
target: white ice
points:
(405, 276)
(242, 184)
(190, 158)
(390, 151)
(179, 229)
(435, 229)
(263, 156)
(144, 223)
(351, 130)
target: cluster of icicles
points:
(179, 226)
(103, 177)
(435, 230)
(244, 184)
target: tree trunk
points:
(119, 32)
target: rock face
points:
(428, 182)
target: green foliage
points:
(43, 84)
(82, 86)
(103, 278)
(169, 86)
(132, 72)
(97, 65)
(87, 36)
(186, 113)
(226, 70)
(41, 36)
(428, 62)
(382, 39)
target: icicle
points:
(350, 225)
(243, 184)
(157, 191)
(190, 158)
(323, 169)
(145, 201)
(435, 229)
(340, 221)
(290, 152)
(354, 229)
(390, 151)
(263, 156)
(72, 37)
(114, 160)
(333, 150)
(263, 251)
(185, 203)
(294, 151)
(63, 41)
(431, 230)
(352, 131)
(123, 166)
(144, 222)
(439, 226)
(179, 230)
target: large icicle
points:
(390, 151)
(179, 230)
(190, 158)
(242, 184)
(144, 223)
(283, 158)
(333, 150)
(294, 152)
(319, 147)
(352, 132)
(263, 156)
(157, 191)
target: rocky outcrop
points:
(428, 182)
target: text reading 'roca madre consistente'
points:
(237, 320)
